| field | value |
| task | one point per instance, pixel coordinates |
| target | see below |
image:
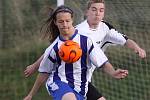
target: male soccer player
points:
(103, 34)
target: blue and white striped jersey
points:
(77, 74)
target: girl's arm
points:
(33, 67)
(41, 78)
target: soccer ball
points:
(70, 51)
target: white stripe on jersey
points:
(76, 74)
(45, 58)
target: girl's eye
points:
(68, 21)
(60, 22)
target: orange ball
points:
(70, 51)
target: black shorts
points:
(93, 93)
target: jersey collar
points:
(75, 33)
(86, 23)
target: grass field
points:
(20, 21)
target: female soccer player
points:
(69, 81)
(102, 33)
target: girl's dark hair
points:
(49, 29)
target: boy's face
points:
(95, 13)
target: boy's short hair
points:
(90, 2)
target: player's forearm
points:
(108, 68)
(41, 78)
(37, 63)
(132, 45)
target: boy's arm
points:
(33, 67)
(134, 46)
(118, 74)
(41, 78)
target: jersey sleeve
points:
(47, 51)
(113, 37)
(48, 63)
(97, 56)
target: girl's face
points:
(64, 23)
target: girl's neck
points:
(68, 35)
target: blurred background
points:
(21, 45)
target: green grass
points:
(20, 22)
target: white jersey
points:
(77, 74)
(104, 35)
